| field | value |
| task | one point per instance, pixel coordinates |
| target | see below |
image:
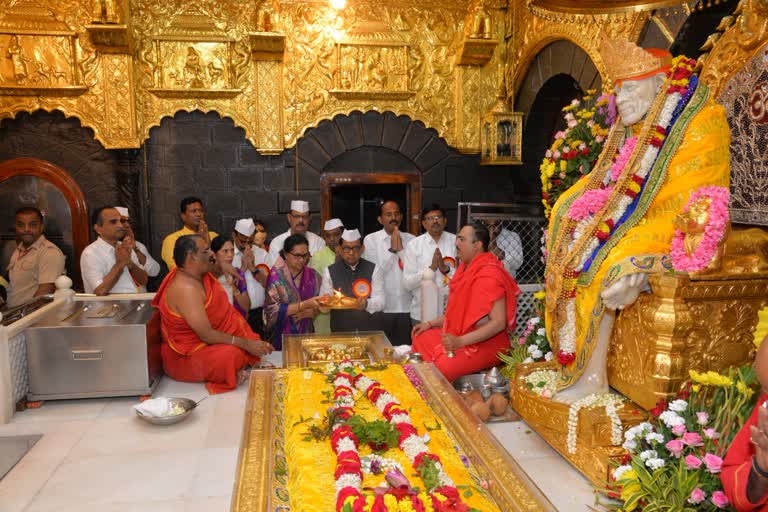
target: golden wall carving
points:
(705, 323)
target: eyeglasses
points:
(302, 256)
(352, 249)
(300, 217)
(433, 218)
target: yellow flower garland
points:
(311, 463)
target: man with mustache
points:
(385, 249)
(431, 256)
(192, 214)
(110, 264)
(147, 262)
(255, 263)
(36, 263)
(299, 220)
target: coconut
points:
(473, 397)
(498, 404)
(482, 410)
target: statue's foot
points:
(583, 387)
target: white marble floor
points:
(96, 455)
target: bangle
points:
(232, 341)
(758, 469)
(301, 302)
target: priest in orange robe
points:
(204, 338)
(481, 308)
(745, 468)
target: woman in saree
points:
(237, 290)
(292, 291)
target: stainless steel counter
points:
(93, 349)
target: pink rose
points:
(693, 462)
(675, 447)
(573, 123)
(546, 393)
(713, 462)
(599, 139)
(548, 154)
(720, 499)
(560, 135)
(556, 154)
(697, 496)
(702, 418)
(692, 439)
(562, 175)
(679, 430)
(711, 433)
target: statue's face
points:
(634, 98)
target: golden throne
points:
(704, 321)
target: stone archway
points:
(559, 57)
(373, 149)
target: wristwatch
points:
(392, 251)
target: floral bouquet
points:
(532, 345)
(575, 150)
(675, 459)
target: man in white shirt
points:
(147, 262)
(110, 265)
(509, 249)
(322, 259)
(299, 220)
(385, 249)
(431, 256)
(255, 262)
(355, 277)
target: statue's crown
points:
(624, 60)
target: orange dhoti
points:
(473, 290)
(186, 357)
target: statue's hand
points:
(625, 291)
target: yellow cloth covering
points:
(311, 464)
(702, 159)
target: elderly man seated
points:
(204, 338)
(481, 308)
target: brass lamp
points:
(501, 134)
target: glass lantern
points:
(501, 136)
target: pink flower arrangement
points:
(697, 496)
(713, 462)
(719, 499)
(675, 447)
(692, 461)
(679, 430)
(621, 161)
(713, 232)
(702, 418)
(589, 203)
(711, 433)
(692, 439)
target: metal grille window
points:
(516, 241)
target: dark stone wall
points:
(106, 177)
(204, 155)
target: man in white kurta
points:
(299, 219)
(431, 256)
(386, 249)
(147, 262)
(110, 265)
(255, 263)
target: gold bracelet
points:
(300, 304)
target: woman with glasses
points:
(237, 292)
(292, 291)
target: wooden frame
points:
(413, 180)
(62, 180)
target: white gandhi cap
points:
(350, 235)
(300, 206)
(245, 227)
(122, 210)
(333, 224)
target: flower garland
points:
(442, 495)
(714, 231)
(543, 382)
(608, 400)
(584, 236)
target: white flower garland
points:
(549, 379)
(385, 464)
(607, 400)
(567, 333)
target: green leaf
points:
(468, 493)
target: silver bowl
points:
(185, 403)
